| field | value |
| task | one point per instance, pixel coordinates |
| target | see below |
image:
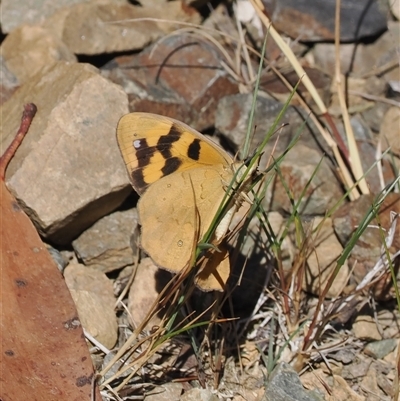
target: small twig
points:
(97, 343)
(374, 98)
(27, 117)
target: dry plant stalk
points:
(335, 146)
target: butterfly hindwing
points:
(154, 146)
(186, 205)
(214, 269)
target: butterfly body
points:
(182, 178)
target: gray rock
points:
(171, 88)
(58, 257)
(314, 20)
(379, 349)
(115, 26)
(68, 171)
(105, 246)
(29, 49)
(9, 82)
(367, 249)
(94, 28)
(390, 130)
(14, 13)
(165, 392)
(297, 168)
(198, 394)
(284, 385)
(93, 295)
(360, 59)
(345, 356)
(321, 263)
(232, 120)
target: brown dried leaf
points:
(44, 355)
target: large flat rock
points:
(68, 172)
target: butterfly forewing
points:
(154, 146)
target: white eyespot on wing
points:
(137, 143)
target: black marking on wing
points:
(144, 153)
(171, 165)
(164, 146)
(137, 178)
(194, 149)
(165, 143)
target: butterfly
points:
(182, 178)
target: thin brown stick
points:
(27, 117)
(353, 154)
